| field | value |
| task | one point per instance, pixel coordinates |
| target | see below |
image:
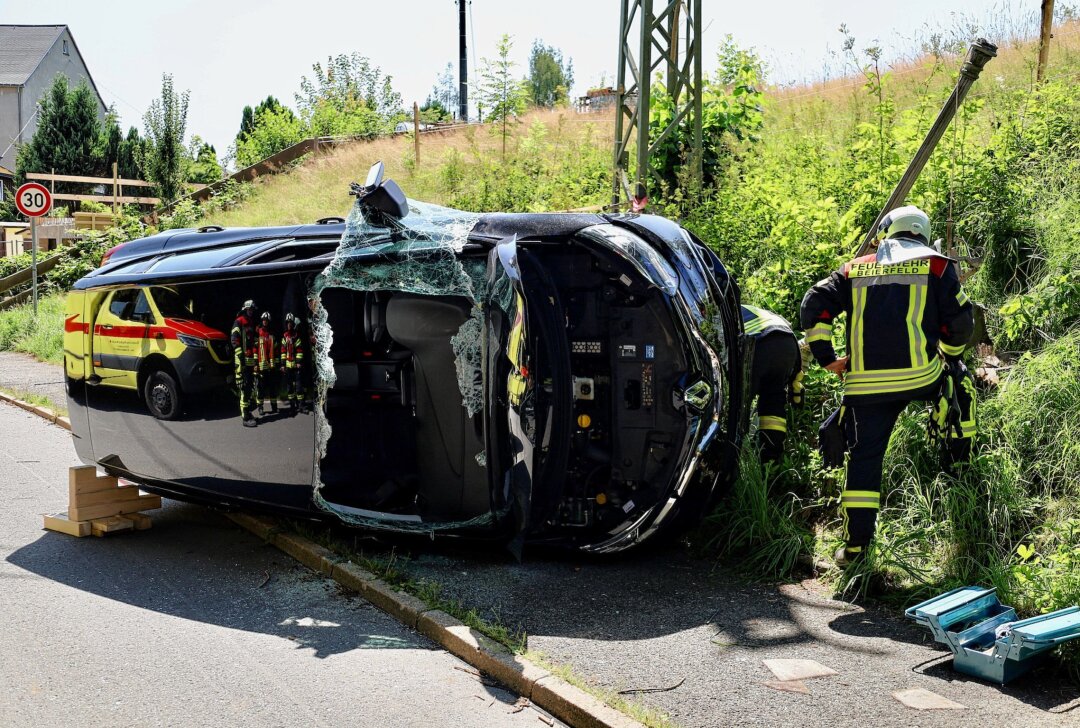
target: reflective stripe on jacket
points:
(266, 348)
(292, 349)
(901, 312)
(242, 338)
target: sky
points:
(232, 53)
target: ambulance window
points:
(122, 302)
(142, 311)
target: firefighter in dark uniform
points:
(243, 344)
(292, 364)
(266, 356)
(908, 321)
(775, 376)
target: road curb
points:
(555, 695)
(43, 412)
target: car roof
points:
(209, 237)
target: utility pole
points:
(655, 33)
(1045, 35)
(463, 72)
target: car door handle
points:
(107, 327)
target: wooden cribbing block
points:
(113, 495)
(84, 479)
(102, 526)
(142, 503)
(60, 522)
(141, 520)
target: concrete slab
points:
(786, 670)
(923, 699)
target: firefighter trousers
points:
(776, 359)
(294, 388)
(245, 383)
(870, 427)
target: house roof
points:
(21, 49)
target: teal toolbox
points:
(985, 637)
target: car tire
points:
(162, 395)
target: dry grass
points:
(319, 186)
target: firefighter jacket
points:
(904, 305)
(266, 348)
(242, 338)
(292, 349)
(758, 322)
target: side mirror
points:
(377, 195)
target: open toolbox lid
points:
(954, 607)
(1046, 630)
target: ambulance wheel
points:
(162, 395)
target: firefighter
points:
(292, 364)
(243, 344)
(908, 320)
(267, 364)
(775, 376)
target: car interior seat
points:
(452, 484)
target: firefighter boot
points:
(845, 556)
(249, 421)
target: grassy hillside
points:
(554, 161)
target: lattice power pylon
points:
(654, 35)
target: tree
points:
(205, 169)
(549, 78)
(501, 94)
(445, 91)
(128, 154)
(163, 158)
(433, 112)
(249, 115)
(349, 97)
(68, 138)
(274, 130)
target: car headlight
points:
(191, 341)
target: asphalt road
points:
(196, 622)
(693, 638)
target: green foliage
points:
(163, 157)
(433, 112)
(501, 94)
(550, 78)
(273, 130)
(205, 169)
(349, 97)
(68, 137)
(731, 117)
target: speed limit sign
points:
(33, 200)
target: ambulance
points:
(147, 339)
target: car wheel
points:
(162, 395)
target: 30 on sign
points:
(33, 200)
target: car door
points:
(120, 337)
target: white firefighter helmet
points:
(908, 219)
(265, 316)
(289, 318)
(249, 304)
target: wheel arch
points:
(155, 363)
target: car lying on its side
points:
(565, 378)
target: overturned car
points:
(566, 378)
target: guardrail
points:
(19, 278)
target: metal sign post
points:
(33, 200)
(33, 261)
